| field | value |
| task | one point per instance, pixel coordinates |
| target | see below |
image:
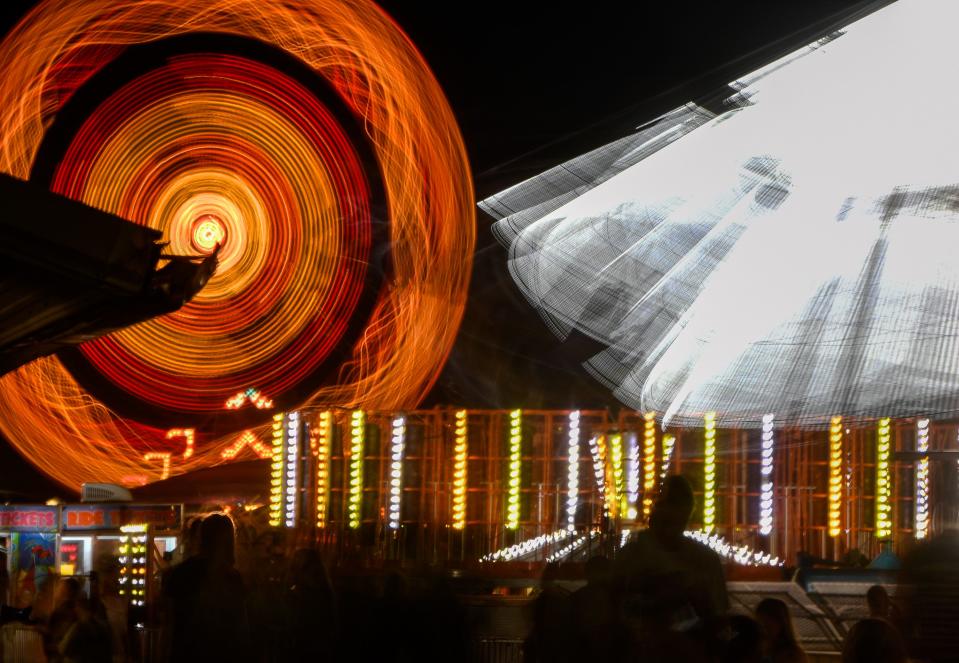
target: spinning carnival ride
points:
(311, 147)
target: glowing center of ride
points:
(208, 233)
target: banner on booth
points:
(113, 516)
(26, 518)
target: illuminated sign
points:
(114, 516)
(28, 518)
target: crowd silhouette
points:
(661, 598)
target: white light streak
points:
(811, 195)
(572, 547)
(525, 548)
(740, 554)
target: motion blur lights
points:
(525, 548)
(397, 451)
(618, 483)
(835, 476)
(632, 476)
(221, 148)
(277, 497)
(922, 479)
(322, 433)
(515, 465)
(766, 472)
(208, 233)
(460, 455)
(244, 440)
(251, 395)
(599, 469)
(740, 554)
(709, 472)
(658, 246)
(571, 547)
(572, 478)
(357, 449)
(649, 462)
(669, 443)
(189, 437)
(292, 459)
(164, 458)
(883, 481)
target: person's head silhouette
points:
(672, 510)
(217, 539)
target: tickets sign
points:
(114, 516)
(24, 518)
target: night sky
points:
(534, 83)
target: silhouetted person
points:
(745, 641)
(929, 587)
(598, 630)
(874, 641)
(550, 637)
(114, 607)
(88, 640)
(4, 580)
(673, 588)
(780, 644)
(439, 621)
(206, 600)
(310, 610)
(64, 615)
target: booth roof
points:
(244, 481)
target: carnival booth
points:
(92, 534)
(28, 549)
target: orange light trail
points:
(225, 157)
(246, 439)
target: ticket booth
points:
(92, 534)
(28, 551)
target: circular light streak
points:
(208, 233)
(219, 149)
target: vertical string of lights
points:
(460, 454)
(133, 563)
(323, 433)
(284, 469)
(277, 472)
(515, 464)
(599, 469)
(835, 476)
(883, 481)
(669, 443)
(357, 449)
(397, 451)
(291, 501)
(649, 462)
(766, 472)
(709, 473)
(616, 462)
(922, 479)
(572, 478)
(632, 475)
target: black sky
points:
(523, 75)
